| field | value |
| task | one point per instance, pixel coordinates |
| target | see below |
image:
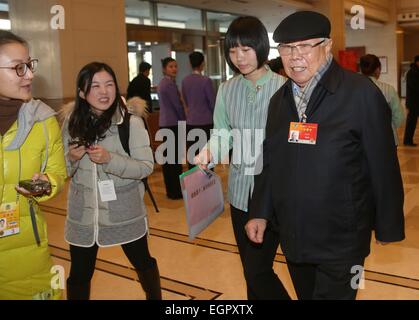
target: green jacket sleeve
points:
(221, 139)
(397, 113)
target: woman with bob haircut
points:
(242, 104)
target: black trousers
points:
(411, 121)
(171, 171)
(257, 261)
(325, 281)
(207, 129)
(83, 260)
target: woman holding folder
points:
(241, 107)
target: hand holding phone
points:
(35, 187)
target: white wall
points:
(30, 20)
(380, 40)
(159, 52)
(183, 67)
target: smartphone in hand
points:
(36, 187)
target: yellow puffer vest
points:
(25, 265)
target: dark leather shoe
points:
(410, 144)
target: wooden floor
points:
(209, 268)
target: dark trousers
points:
(325, 281)
(257, 261)
(171, 171)
(207, 129)
(83, 260)
(411, 121)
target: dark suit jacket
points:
(325, 199)
(140, 86)
(412, 89)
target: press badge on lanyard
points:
(303, 133)
(107, 190)
(9, 219)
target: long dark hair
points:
(84, 124)
(249, 32)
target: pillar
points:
(335, 11)
(87, 30)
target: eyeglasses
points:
(23, 67)
(302, 49)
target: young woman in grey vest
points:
(105, 198)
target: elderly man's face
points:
(301, 67)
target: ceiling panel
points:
(271, 12)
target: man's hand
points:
(255, 229)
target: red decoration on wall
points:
(348, 59)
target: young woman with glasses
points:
(31, 149)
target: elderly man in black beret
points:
(328, 190)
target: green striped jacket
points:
(240, 116)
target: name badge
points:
(107, 190)
(303, 133)
(9, 219)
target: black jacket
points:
(140, 86)
(412, 88)
(325, 199)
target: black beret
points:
(302, 25)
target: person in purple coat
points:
(171, 112)
(199, 96)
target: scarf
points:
(302, 95)
(9, 110)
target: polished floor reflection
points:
(209, 267)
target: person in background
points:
(140, 86)
(277, 66)
(412, 103)
(171, 112)
(326, 197)
(199, 96)
(31, 148)
(242, 105)
(106, 194)
(371, 67)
